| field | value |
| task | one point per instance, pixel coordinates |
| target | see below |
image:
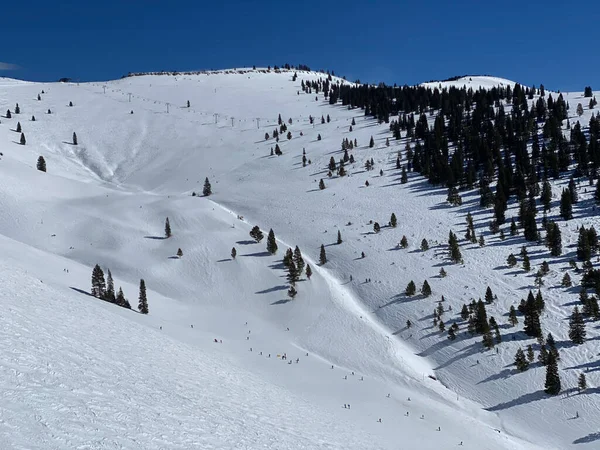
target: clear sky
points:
(550, 42)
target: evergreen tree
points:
(404, 176)
(464, 312)
(298, 260)
(442, 273)
(512, 316)
(143, 301)
(566, 207)
(292, 292)
(521, 361)
(376, 227)
(403, 242)
(426, 289)
(581, 382)
(577, 331)
(293, 276)
(489, 296)
(454, 249)
(256, 234)
(566, 281)
(22, 140)
(411, 289)
(511, 260)
(8, 115)
(207, 190)
(271, 242)
(530, 354)
(371, 142)
(167, 228)
(322, 255)
(546, 196)
(98, 282)
(41, 164)
(19, 129)
(424, 245)
(74, 138)
(121, 300)
(321, 184)
(339, 237)
(110, 288)
(579, 109)
(17, 109)
(393, 221)
(308, 272)
(551, 346)
(233, 253)
(513, 228)
(451, 333)
(552, 385)
(179, 253)
(526, 263)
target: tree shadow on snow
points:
(246, 242)
(281, 287)
(260, 254)
(281, 302)
(587, 439)
(158, 238)
(81, 291)
(523, 399)
(224, 260)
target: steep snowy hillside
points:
(140, 154)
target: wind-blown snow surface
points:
(86, 373)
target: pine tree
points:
(546, 196)
(526, 263)
(167, 228)
(552, 385)
(530, 354)
(577, 331)
(256, 234)
(179, 253)
(308, 272)
(322, 255)
(233, 253)
(404, 176)
(581, 382)
(521, 361)
(452, 333)
(511, 260)
(424, 245)
(442, 273)
(426, 289)
(512, 316)
(339, 237)
(293, 276)
(41, 164)
(298, 260)
(19, 129)
(371, 142)
(74, 138)
(110, 287)
(464, 312)
(17, 109)
(489, 296)
(22, 140)
(321, 184)
(454, 249)
(411, 289)
(8, 115)
(271, 242)
(403, 242)
(393, 221)
(441, 326)
(207, 190)
(292, 292)
(98, 282)
(376, 227)
(566, 281)
(566, 207)
(143, 301)
(579, 109)
(121, 300)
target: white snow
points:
(79, 372)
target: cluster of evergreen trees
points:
(104, 289)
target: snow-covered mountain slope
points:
(474, 82)
(105, 201)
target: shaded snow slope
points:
(105, 200)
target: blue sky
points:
(532, 42)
